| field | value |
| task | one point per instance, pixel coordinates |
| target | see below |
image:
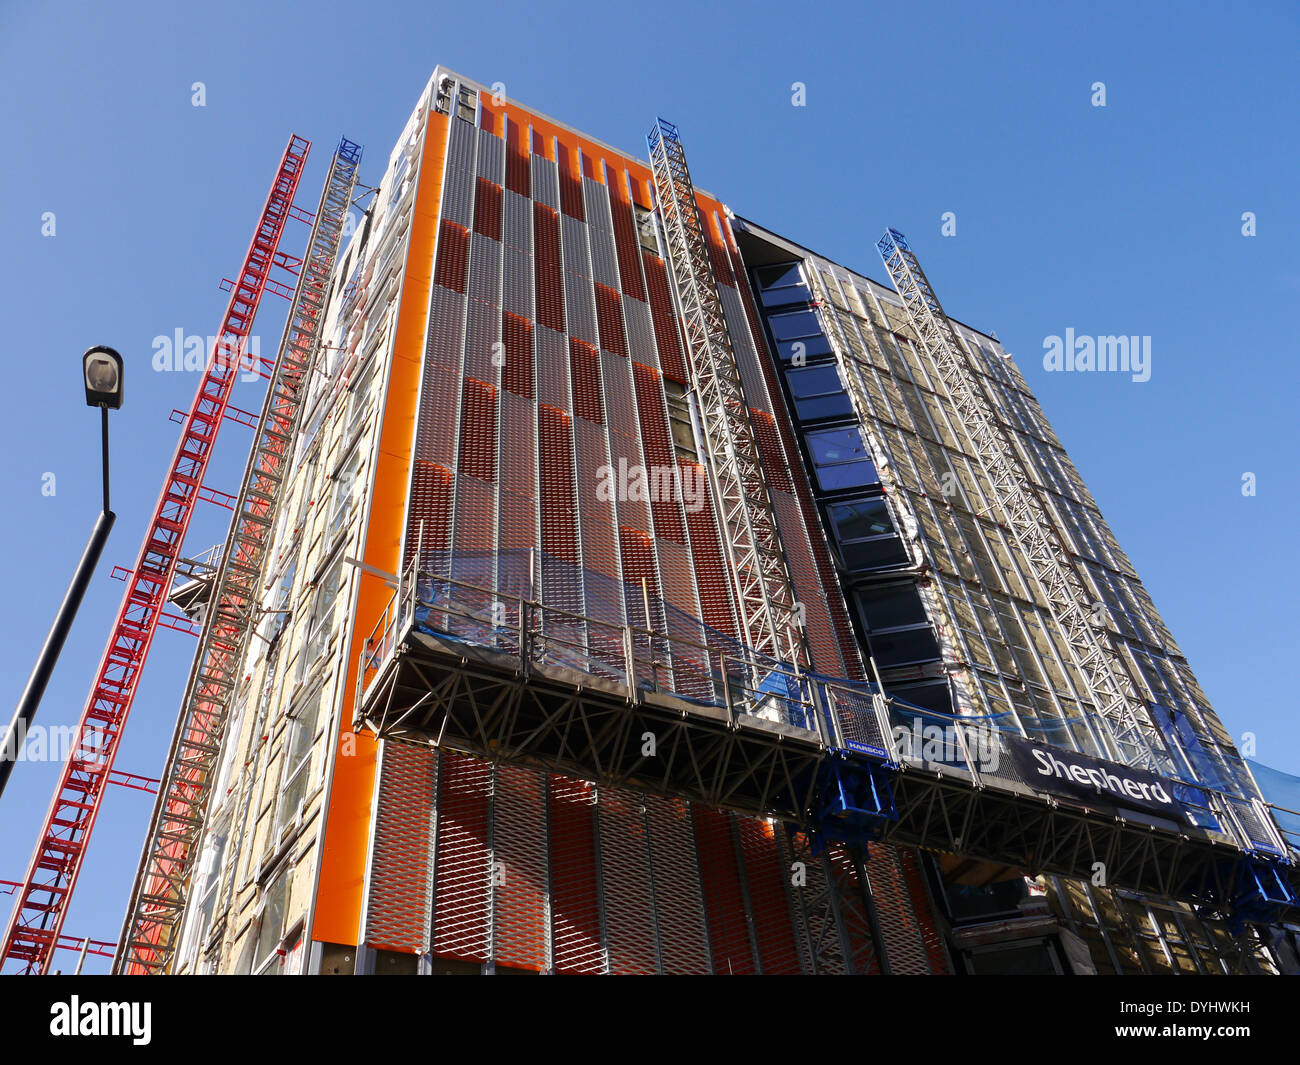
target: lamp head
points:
(102, 373)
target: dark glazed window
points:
(840, 458)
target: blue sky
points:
(1117, 220)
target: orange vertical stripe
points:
(347, 829)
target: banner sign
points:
(1093, 781)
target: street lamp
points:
(101, 370)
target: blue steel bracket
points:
(1259, 892)
(854, 800)
(348, 151)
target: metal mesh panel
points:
(668, 338)
(619, 403)
(548, 277)
(552, 368)
(725, 906)
(487, 209)
(517, 222)
(517, 165)
(899, 926)
(400, 891)
(609, 318)
(478, 432)
(463, 890)
(683, 946)
(579, 305)
(570, 186)
(482, 333)
(767, 874)
(520, 921)
(604, 261)
(546, 185)
(452, 260)
(575, 907)
(640, 332)
(625, 238)
(485, 277)
(491, 156)
(625, 869)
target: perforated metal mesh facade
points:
(551, 335)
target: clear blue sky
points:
(1122, 220)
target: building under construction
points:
(617, 586)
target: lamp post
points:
(102, 376)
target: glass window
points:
(347, 490)
(933, 695)
(804, 350)
(1034, 959)
(819, 392)
(645, 229)
(297, 758)
(270, 925)
(279, 615)
(794, 325)
(903, 647)
(865, 535)
(780, 276)
(321, 620)
(840, 458)
(887, 606)
(782, 285)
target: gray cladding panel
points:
(573, 244)
(517, 221)
(491, 157)
(546, 182)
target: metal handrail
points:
(633, 653)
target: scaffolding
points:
(1133, 736)
(764, 599)
(171, 844)
(38, 915)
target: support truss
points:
(151, 930)
(42, 905)
(1125, 719)
(764, 597)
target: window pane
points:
(932, 696)
(872, 554)
(860, 519)
(271, 928)
(798, 324)
(903, 647)
(813, 347)
(891, 605)
(841, 459)
(829, 446)
(815, 380)
(775, 276)
(785, 296)
(839, 406)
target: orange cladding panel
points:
(347, 830)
